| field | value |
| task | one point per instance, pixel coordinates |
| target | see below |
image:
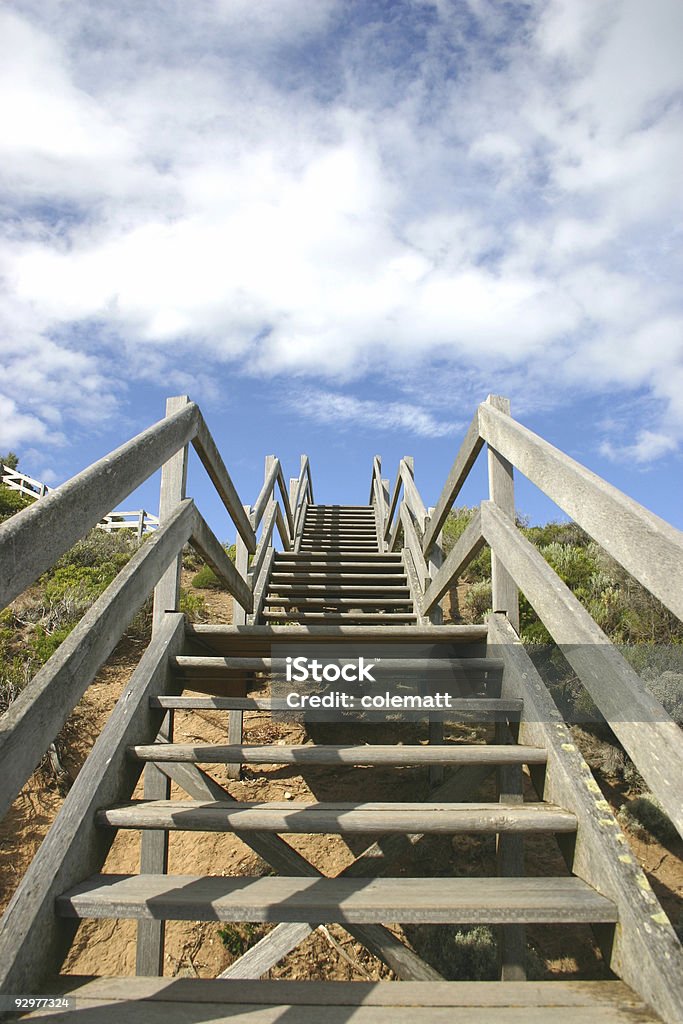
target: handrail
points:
(207, 451)
(32, 540)
(648, 547)
(34, 719)
(464, 460)
(649, 735)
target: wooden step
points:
(476, 709)
(341, 617)
(149, 1000)
(348, 754)
(350, 590)
(342, 818)
(377, 570)
(373, 557)
(230, 639)
(326, 900)
(347, 576)
(444, 667)
(340, 601)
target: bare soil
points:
(205, 949)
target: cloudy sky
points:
(338, 225)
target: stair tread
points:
(353, 900)
(147, 1000)
(342, 601)
(360, 754)
(380, 754)
(289, 817)
(470, 708)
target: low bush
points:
(646, 819)
(12, 501)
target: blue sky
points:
(338, 226)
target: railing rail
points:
(645, 545)
(33, 539)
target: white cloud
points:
(331, 407)
(292, 188)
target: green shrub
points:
(477, 601)
(192, 605)
(646, 819)
(12, 501)
(237, 938)
(206, 579)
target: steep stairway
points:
(215, 660)
(338, 574)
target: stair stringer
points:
(34, 940)
(646, 952)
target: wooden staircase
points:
(338, 574)
(339, 586)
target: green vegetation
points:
(237, 938)
(206, 578)
(11, 502)
(645, 818)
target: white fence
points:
(139, 520)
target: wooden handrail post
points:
(154, 843)
(434, 564)
(505, 595)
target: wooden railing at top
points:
(138, 519)
(32, 540)
(649, 548)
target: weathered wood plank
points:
(33, 720)
(212, 460)
(412, 542)
(339, 818)
(33, 939)
(323, 900)
(647, 546)
(33, 539)
(646, 952)
(464, 460)
(504, 593)
(468, 545)
(204, 541)
(365, 754)
(651, 738)
(379, 940)
(327, 998)
(266, 492)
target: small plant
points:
(192, 605)
(206, 579)
(12, 501)
(237, 938)
(478, 600)
(645, 818)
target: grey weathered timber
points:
(476, 709)
(415, 586)
(265, 541)
(266, 493)
(445, 667)
(204, 541)
(154, 844)
(33, 539)
(242, 1001)
(412, 542)
(33, 938)
(436, 559)
(464, 460)
(504, 593)
(372, 862)
(649, 735)
(213, 463)
(411, 495)
(398, 483)
(364, 754)
(510, 860)
(323, 900)
(34, 719)
(647, 546)
(239, 615)
(646, 952)
(468, 545)
(268, 951)
(261, 585)
(317, 634)
(377, 819)
(280, 855)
